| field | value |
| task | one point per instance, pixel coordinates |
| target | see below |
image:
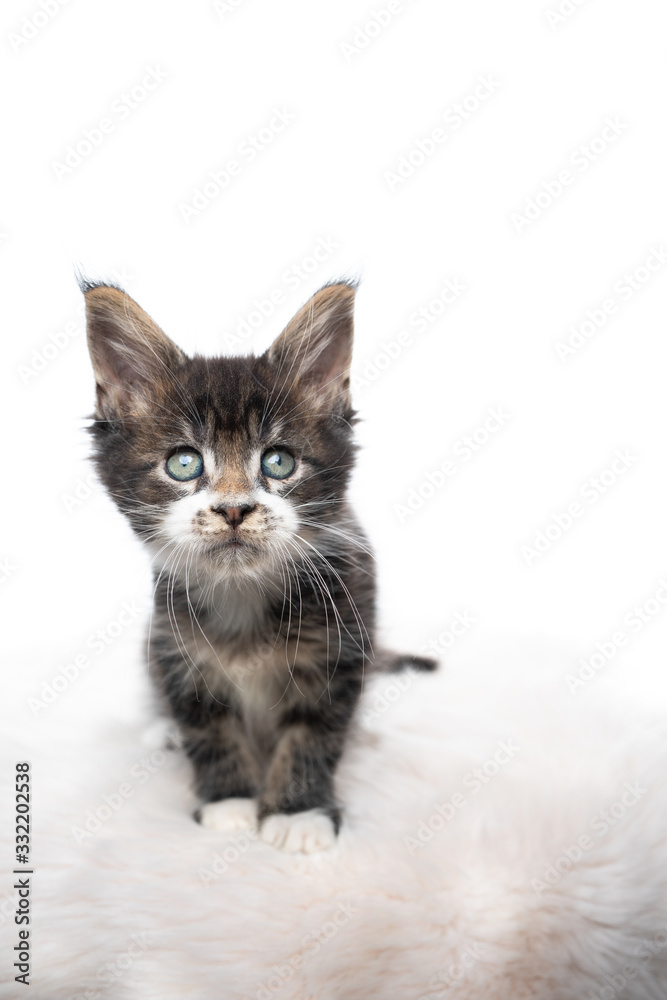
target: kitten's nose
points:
(233, 515)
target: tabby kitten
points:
(234, 473)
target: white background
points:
(356, 112)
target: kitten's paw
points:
(308, 831)
(228, 814)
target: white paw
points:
(306, 831)
(229, 814)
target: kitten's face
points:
(225, 464)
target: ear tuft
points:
(86, 283)
(315, 348)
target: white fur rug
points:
(502, 839)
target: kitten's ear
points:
(133, 359)
(315, 348)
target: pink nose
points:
(234, 516)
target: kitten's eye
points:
(185, 464)
(277, 463)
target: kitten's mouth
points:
(233, 544)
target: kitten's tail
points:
(389, 662)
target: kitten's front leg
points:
(297, 808)
(226, 774)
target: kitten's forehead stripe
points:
(233, 402)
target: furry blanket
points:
(503, 838)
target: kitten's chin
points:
(233, 557)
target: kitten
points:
(234, 472)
